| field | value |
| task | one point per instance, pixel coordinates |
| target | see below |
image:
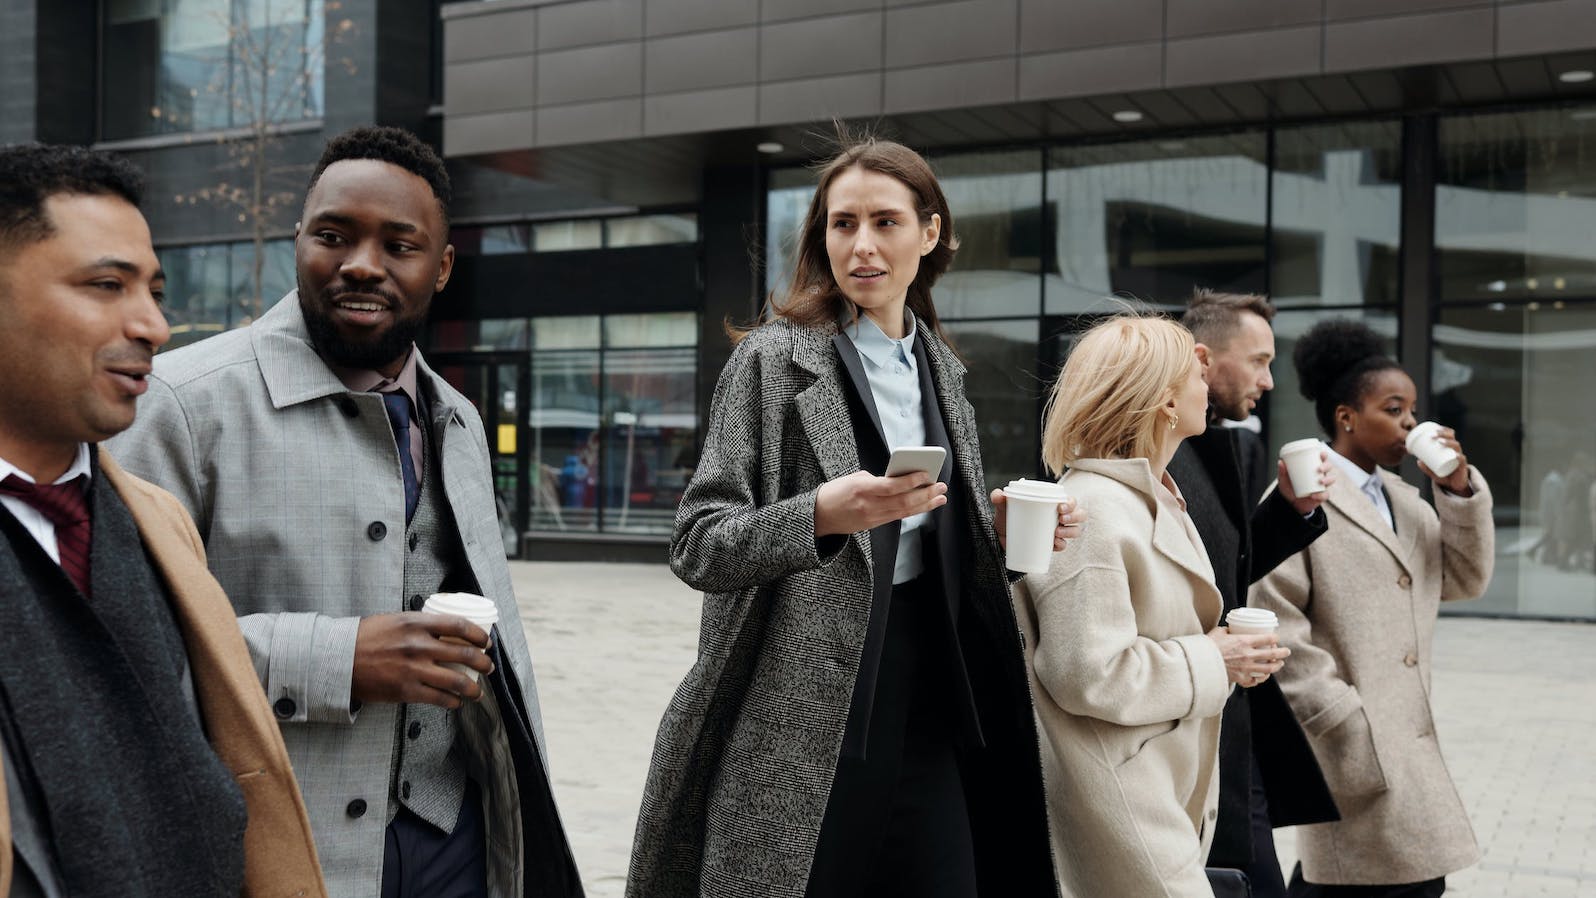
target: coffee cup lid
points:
(1295, 445)
(1042, 490)
(1254, 617)
(478, 610)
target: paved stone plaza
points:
(1515, 709)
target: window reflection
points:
(613, 421)
(1510, 385)
(1515, 205)
(1337, 206)
(1001, 384)
(995, 199)
(193, 65)
(211, 287)
(1153, 219)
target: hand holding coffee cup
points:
(1071, 519)
(401, 658)
(1249, 645)
(1306, 470)
(1440, 456)
(474, 608)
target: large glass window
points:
(1152, 219)
(211, 287)
(1515, 205)
(1515, 210)
(174, 66)
(995, 199)
(613, 420)
(1002, 387)
(1336, 207)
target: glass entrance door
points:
(497, 383)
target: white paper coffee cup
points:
(1252, 621)
(1032, 521)
(1424, 442)
(1302, 465)
(474, 608)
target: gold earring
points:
(1173, 421)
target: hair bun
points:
(1330, 349)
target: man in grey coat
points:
(337, 482)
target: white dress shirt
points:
(894, 378)
(1368, 483)
(34, 520)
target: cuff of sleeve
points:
(1445, 498)
(818, 550)
(311, 668)
(1209, 682)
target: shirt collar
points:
(80, 468)
(1355, 475)
(874, 344)
(364, 380)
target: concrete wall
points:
(536, 73)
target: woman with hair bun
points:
(1128, 664)
(857, 722)
(1358, 607)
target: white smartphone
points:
(908, 459)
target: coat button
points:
(356, 808)
(1411, 660)
(376, 530)
(350, 410)
(1404, 581)
(404, 790)
(415, 729)
(416, 602)
(284, 708)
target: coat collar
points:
(294, 373)
(1356, 507)
(1169, 535)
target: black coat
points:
(1246, 540)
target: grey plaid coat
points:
(746, 751)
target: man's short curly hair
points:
(32, 173)
(395, 146)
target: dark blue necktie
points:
(398, 405)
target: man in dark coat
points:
(1267, 772)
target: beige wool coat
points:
(1128, 691)
(1358, 610)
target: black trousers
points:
(1264, 871)
(421, 861)
(897, 823)
(1301, 888)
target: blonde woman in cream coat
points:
(1129, 667)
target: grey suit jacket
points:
(745, 755)
(295, 486)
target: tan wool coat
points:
(1128, 691)
(279, 853)
(1358, 610)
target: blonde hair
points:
(1106, 401)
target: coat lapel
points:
(1356, 507)
(289, 366)
(854, 367)
(1407, 508)
(823, 411)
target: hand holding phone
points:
(908, 459)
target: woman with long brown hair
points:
(858, 721)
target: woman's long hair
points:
(815, 299)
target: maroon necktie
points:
(66, 506)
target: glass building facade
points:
(1055, 236)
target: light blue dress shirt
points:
(1368, 483)
(894, 378)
